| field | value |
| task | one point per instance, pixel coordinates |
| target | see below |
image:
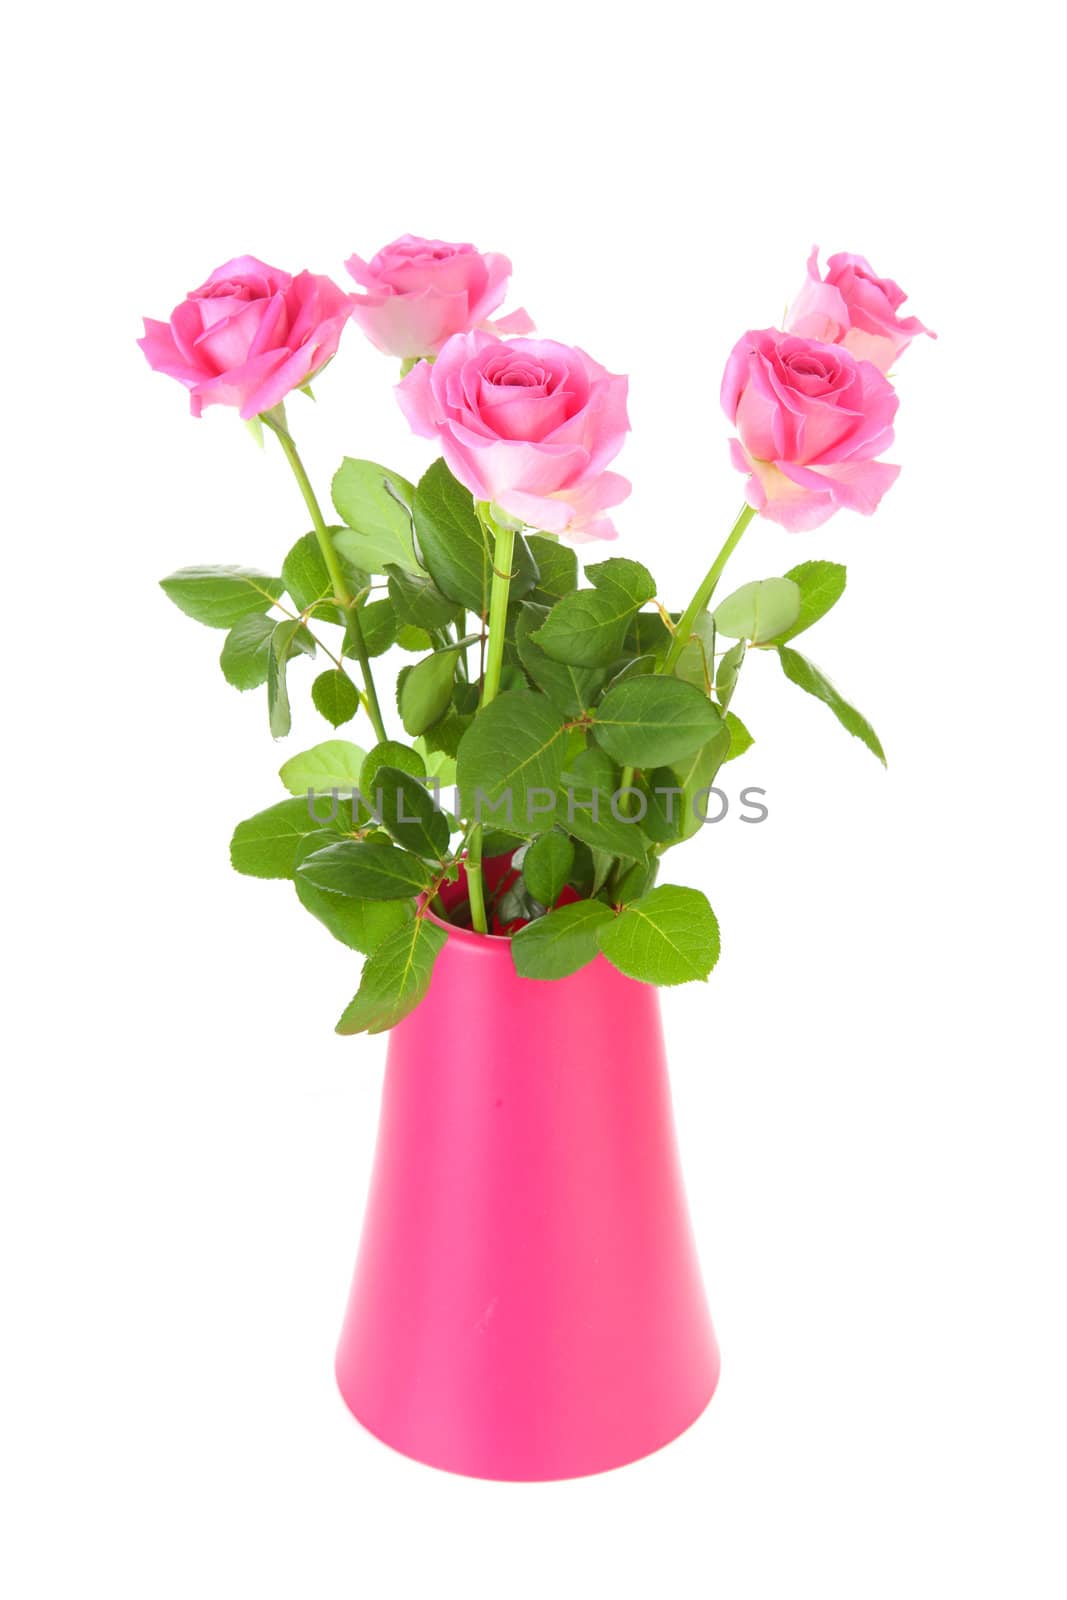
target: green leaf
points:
(512, 756)
(359, 924)
(799, 670)
(557, 566)
(308, 582)
(668, 936)
(417, 600)
(265, 846)
(437, 764)
(654, 721)
(758, 611)
(546, 866)
(570, 689)
(740, 738)
(367, 870)
(390, 753)
(220, 596)
(585, 809)
(282, 639)
(638, 667)
(424, 691)
(335, 696)
(375, 504)
(455, 547)
(334, 764)
(726, 677)
(696, 663)
(696, 774)
(246, 651)
(445, 735)
(821, 585)
(453, 543)
(414, 640)
(395, 978)
(636, 881)
(560, 943)
(648, 635)
(378, 623)
(408, 812)
(588, 628)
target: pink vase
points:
(527, 1302)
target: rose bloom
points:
(810, 420)
(854, 307)
(248, 335)
(422, 291)
(528, 424)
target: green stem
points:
(341, 591)
(699, 602)
(503, 551)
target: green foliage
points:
(821, 585)
(668, 936)
(418, 602)
(395, 978)
(648, 635)
(588, 628)
(562, 942)
(308, 583)
(414, 640)
(335, 696)
(806, 675)
(557, 567)
(512, 755)
(654, 721)
(285, 637)
(220, 596)
(726, 676)
(365, 869)
(424, 691)
(375, 504)
(696, 663)
(409, 814)
(587, 811)
(266, 845)
(636, 881)
(334, 764)
(546, 866)
(246, 651)
(570, 689)
(360, 924)
(455, 546)
(740, 738)
(758, 611)
(452, 540)
(390, 753)
(379, 625)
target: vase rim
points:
(466, 935)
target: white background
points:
(869, 1091)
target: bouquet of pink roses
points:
(550, 740)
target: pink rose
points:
(528, 424)
(422, 291)
(248, 335)
(811, 419)
(854, 307)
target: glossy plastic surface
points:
(527, 1302)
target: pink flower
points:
(811, 419)
(528, 424)
(248, 335)
(854, 307)
(422, 291)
